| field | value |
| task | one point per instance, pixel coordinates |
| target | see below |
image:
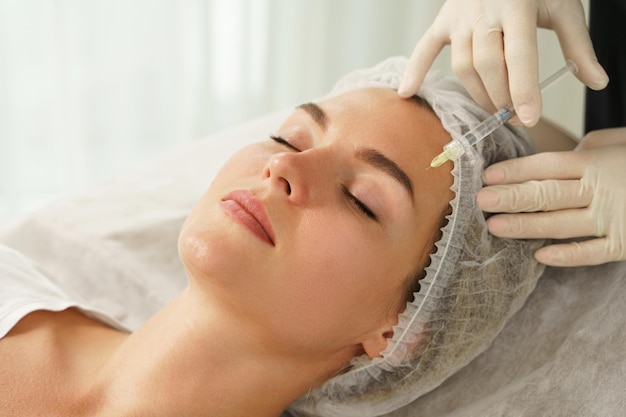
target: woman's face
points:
(309, 237)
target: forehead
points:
(403, 130)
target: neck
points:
(191, 360)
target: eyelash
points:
(284, 142)
(355, 201)
(359, 204)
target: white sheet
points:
(563, 354)
(117, 242)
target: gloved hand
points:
(494, 50)
(561, 195)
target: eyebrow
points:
(380, 161)
(370, 156)
(316, 113)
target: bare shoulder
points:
(49, 356)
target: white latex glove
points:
(494, 50)
(561, 195)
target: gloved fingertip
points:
(405, 90)
(527, 115)
(551, 256)
(498, 225)
(487, 199)
(601, 80)
(542, 257)
(493, 175)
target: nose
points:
(296, 176)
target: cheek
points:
(337, 248)
(203, 226)
(340, 272)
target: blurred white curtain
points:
(89, 88)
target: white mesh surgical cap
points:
(473, 284)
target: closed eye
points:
(359, 204)
(353, 200)
(284, 142)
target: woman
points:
(300, 257)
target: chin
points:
(215, 254)
(193, 251)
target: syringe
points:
(455, 148)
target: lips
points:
(247, 210)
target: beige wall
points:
(563, 102)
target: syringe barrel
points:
(488, 126)
(453, 149)
(457, 147)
